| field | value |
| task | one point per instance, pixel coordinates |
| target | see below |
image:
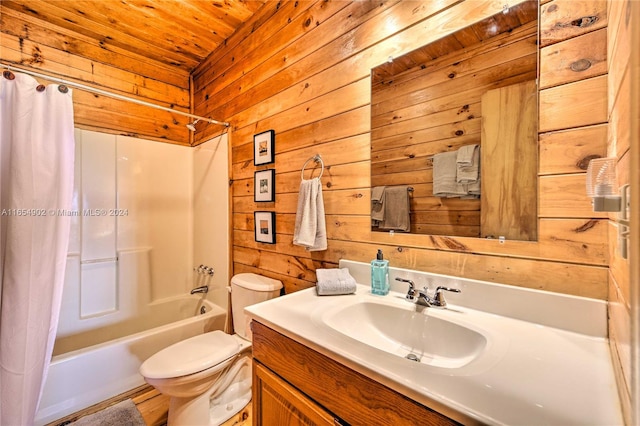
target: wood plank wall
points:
(429, 110)
(31, 43)
(621, 22)
(303, 69)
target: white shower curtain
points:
(36, 186)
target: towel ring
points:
(318, 159)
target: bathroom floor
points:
(153, 406)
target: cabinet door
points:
(278, 403)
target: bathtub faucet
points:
(201, 289)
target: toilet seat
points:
(190, 356)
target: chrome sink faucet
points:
(423, 297)
(411, 294)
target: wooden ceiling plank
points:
(125, 23)
(145, 24)
(234, 12)
(277, 15)
(527, 11)
(177, 34)
(206, 31)
(26, 27)
(507, 21)
(222, 18)
(56, 14)
(467, 37)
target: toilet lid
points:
(190, 356)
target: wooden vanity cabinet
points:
(293, 384)
(281, 404)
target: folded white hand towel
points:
(310, 228)
(465, 155)
(468, 164)
(335, 281)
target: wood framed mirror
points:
(476, 86)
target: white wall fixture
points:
(607, 197)
(601, 185)
(623, 221)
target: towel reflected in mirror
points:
(391, 208)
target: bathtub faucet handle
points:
(204, 270)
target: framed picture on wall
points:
(265, 224)
(264, 185)
(263, 144)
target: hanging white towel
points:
(397, 209)
(377, 204)
(444, 176)
(310, 229)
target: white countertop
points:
(529, 374)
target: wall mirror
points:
(475, 87)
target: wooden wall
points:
(35, 44)
(303, 69)
(621, 22)
(426, 111)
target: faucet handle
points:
(439, 296)
(411, 292)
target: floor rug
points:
(123, 413)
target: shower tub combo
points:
(85, 371)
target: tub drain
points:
(412, 357)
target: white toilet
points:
(208, 377)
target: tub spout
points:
(201, 289)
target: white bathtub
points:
(96, 365)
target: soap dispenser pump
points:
(380, 275)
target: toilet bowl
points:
(208, 377)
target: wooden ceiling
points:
(178, 33)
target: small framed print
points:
(264, 185)
(263, 147)
(265, 224)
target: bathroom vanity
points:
(293, 381)
(496, 355)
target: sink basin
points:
(408, 331)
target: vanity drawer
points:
(351, 396)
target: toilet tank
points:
(248, 289)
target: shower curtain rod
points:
(112, 95)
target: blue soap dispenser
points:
(379, 275)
